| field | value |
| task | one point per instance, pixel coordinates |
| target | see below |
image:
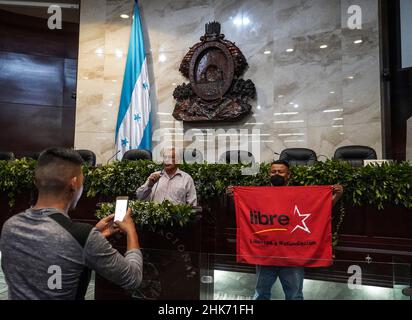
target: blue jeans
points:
(291, 279)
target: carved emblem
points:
(215, 92)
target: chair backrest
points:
(88, 156)
(192, 156)
(137, 154)
(32, 155)
(299, 156)
(355, 154)
(237, 156)
(4, 155)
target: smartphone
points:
(121, 208)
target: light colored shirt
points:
(31, 243)
(178, 189)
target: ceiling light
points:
(358, 41)
(267, 52)
(162, 58)
(323, 46)
(286, 113)
(332, 110)
(124, 16)
(290, 50)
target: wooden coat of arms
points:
(215, 92)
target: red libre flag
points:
(284, 226)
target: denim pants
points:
(291, 279)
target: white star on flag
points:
(304, 227)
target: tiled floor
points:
(232, 285)
(240, 286)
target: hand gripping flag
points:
(133, 129)
(284, 226)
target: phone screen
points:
(121, 208)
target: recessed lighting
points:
(332, 110)
(290, 141)
(351, 77)
(290, 50)
(323, 46)
(267, 52)
(124, 16)
(332, 92)
(162, 58)
(341, 133)
(280, 96)
(258, 107)
(290, 134)
(286, 113)
(338, 119)
(358, 41)
(296, 106)
(289, 121)
(99, 51)
(239, 21)
(262, 141)
(174, 83)
(118, 53)
(338, 126)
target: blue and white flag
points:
(134, 129)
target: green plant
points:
(16, 176)
(390, 183)
(153, 213)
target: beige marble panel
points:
(92, 18)
(117, 29)
(102, 143)
(312, 78)
(90, 66)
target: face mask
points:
(277, 180)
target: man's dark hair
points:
(284, 162)
(55, 167)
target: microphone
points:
(322, 155)
(113, 156)
(157, 184)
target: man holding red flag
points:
(290, 274)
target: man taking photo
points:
(45, 255)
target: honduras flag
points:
(133, 129)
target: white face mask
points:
(77, 195)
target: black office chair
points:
(355, 154)
(7, 156)
(88, 156)
(137, 154)
(237, 156)
(299, 156)
(32, 155)
(192, 156)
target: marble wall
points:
(314, 97)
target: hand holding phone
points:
(121, 208)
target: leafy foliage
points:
(16, 176)
(371, 185)
(152, 213)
